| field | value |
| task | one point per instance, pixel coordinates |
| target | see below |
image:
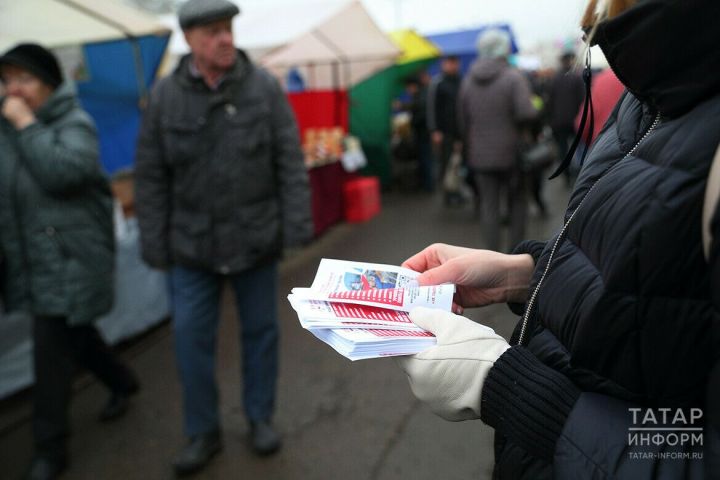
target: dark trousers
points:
(563, 139)
(195, 306)
(493, 184)
(535, 181)
(443, 153)
(426, 162)
(58, 349)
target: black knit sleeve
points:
(527, 401)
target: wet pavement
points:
(339, 419)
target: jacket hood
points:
(240, 70)
(486, 70)
(61, 101)
(665, 52)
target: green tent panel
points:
(371, 111)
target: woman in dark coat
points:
(607, 372)
(57, 242)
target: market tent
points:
(112, 51)
(462, 44)
(308, 37)
(341, 51)
(250, 28)
(371, 100)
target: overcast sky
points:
(532, 20)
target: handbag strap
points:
(712, 192)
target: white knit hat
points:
(494, 43)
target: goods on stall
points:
(322, 145)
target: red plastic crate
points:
(362, 199)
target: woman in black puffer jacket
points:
(607, 372)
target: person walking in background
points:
(442, 112)
(537, 131)
(565, 96)
(615, 346)
(58, 244)
(417, 88)
(221, 187)
(494, 103)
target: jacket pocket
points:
(248, 127)
(189, 236)
(261, 224)
(88, 247)
(183, 140)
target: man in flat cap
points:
(221, 188)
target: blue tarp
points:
(111, 93)
(462, 44)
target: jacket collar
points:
(665, 52)
(188, 75)
(61, 101)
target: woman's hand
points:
(482, 277)
(17, 111)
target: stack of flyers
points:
(361, 309)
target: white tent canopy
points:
(341, 51)
(58, 23)
(332, 43)
(260, 28)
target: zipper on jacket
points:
(533, 297)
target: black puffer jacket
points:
(623, 316)
(442, 105)
(221, 182)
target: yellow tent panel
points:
(414, 47)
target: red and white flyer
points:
(361, 309)
(359, 344)
(401, 299)
(315, 314)
(343, 276)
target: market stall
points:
(371, 100)
(322, 118)
(332, 56)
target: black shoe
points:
(119, 402)
(197, 453)
(116, 407)
(43, 468)
(264, 440)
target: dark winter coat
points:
(56, 228)
(221, 182)
(623, 317)
(442, 105)
(566, 94)
(494, 103)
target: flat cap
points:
(199, 12)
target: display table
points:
(326, 186)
